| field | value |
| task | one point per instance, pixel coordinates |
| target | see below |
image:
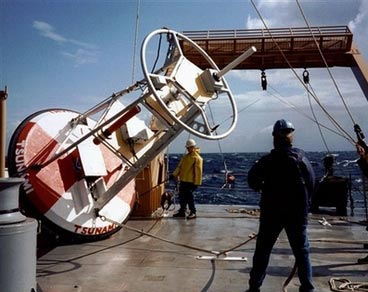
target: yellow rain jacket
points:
(190, 168)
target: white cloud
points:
(47, 31)
(256, 23)
(83, 44)
(81, 57)
(359, 26)
(267, 129)
(360, 19)
(275, 13)
(85, 53)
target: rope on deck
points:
(289, 278)
(340, 284)
(217, 253)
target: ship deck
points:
(129, 261)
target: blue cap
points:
(282, 126)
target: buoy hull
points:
(64, 191)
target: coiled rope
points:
(340, 284)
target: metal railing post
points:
(3, 97)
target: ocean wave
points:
(215, 191)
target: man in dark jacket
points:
(285, 179)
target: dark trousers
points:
(186, 196)
(267, 236)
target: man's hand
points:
(360, 150)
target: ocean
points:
(215, 191)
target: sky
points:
(74, 53)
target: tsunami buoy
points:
(63, 192)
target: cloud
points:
(84, 53)
(82, 44)
(81, 57)
(47, 31)
(359, 26)
(275, 13)
(361, 18)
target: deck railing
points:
(299, 44)
(275, 32)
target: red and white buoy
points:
(62, 190)
(80, 168)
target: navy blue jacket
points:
(363, 164)
(286, 181)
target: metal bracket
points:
(215, 258)
(4, 93)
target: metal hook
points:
(306, 76)
(263, 80)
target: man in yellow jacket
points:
(189, 173)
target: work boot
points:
(179, 214)
(363, 260)
(191, 216)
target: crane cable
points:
(306, 80)
(337, 125)
(226, 180)
(135, 41)
(340, 133)
(293, 106)
(220, 149)
(325, 62)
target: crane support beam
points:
(360, 69)
(298, 45)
